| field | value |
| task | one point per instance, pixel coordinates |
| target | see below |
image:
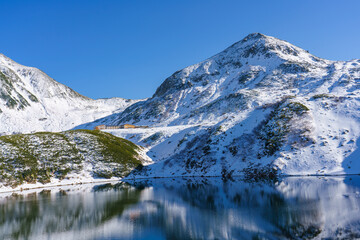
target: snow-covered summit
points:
(257, 44)
(254, 50)
(238, 73)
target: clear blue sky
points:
(115, 48)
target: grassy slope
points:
(30, 158)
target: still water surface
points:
(195, 208)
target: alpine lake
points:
(187, 208)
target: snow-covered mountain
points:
(261, 106)
(31, 101)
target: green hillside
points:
(31, 158)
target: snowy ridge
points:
(31, 101)
(260, 107)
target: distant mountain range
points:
(31, 101)
(259, 108)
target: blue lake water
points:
(192, 208)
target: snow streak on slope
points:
(259, 107)
(31, 101)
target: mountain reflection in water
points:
(192, 208)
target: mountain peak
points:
(256, 49)
(253, 36)
(258, 45)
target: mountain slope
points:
(32, 101)
(72, 155)
(260, 107)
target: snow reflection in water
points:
(196, 208)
